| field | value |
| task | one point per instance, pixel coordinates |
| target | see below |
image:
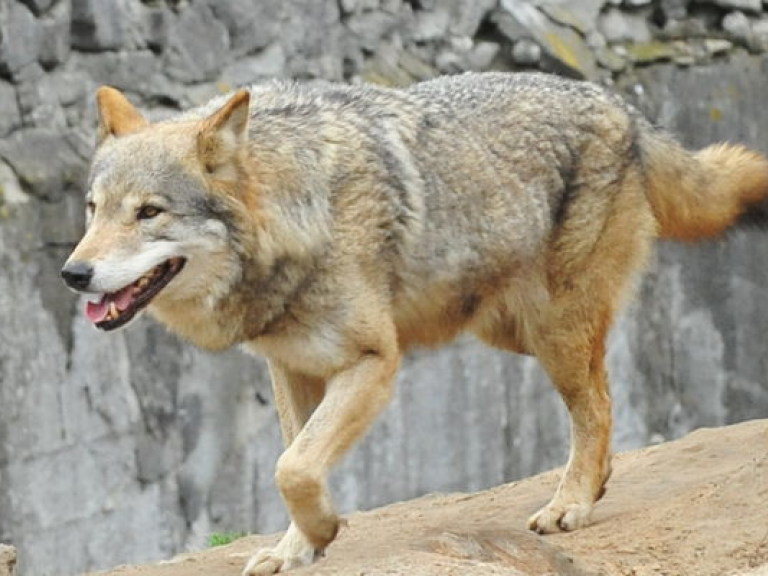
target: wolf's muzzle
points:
(77, 275)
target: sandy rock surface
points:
(694, 507)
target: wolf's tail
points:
(697, 195)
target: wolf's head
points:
(161, 209)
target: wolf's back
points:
(697, 195)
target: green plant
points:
(223, 538)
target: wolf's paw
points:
(270, 561)
(555, 517)
(293, 551)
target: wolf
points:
(331, 228)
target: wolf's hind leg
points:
(589, 270)
(574, 361)
(597, 250)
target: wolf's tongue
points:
(98, 311)
(123, 298)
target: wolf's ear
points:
(117, 116)
(225, 132)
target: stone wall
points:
(131, 446)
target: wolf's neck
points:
(264, 300)
(260, 303)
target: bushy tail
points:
(696, 195)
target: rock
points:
(20, 37)
(608, 58)
(414, 66)
(595, 40)
(136, 71)
(693, 27)
(44, 161)
(268, 63)
(38, 98)
(651, 52)
(674, 9)
(383, 71)
(526, 53)
(197, 46)
(481, 56)
(430, 25)
(315, 42)
(448, 62)
(466, 16)
(760, 34)
(581, 15)
(715, 46)
(561, 43)
(55, 41)
(10, 115)
(738, 28)
(392, 6)
(155, 27)
(251, 25)
(7, 560)
(622, 26)
(38, 6)
(461, 44)
(155, 457)
(371, 27)
(349, 6)
(744, 5)
(98, 25)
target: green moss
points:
(650, 52)
(564, 52)
(5, 211)
(224, 538)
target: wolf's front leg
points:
(353, 398)
(296, 397)
(293, 551)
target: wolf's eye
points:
(90, 207)
(147, 212)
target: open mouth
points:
(115, 309)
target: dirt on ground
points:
(693, 507)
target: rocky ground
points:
(694, 507)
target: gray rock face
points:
(561, 43)
(98, 24)
(20, 37)
(197, 46)
(745, 5)
(620, 26)
(138, 439)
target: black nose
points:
(77, 275)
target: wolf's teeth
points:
(142, 282)
(113, 311)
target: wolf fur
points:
(331, 228)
